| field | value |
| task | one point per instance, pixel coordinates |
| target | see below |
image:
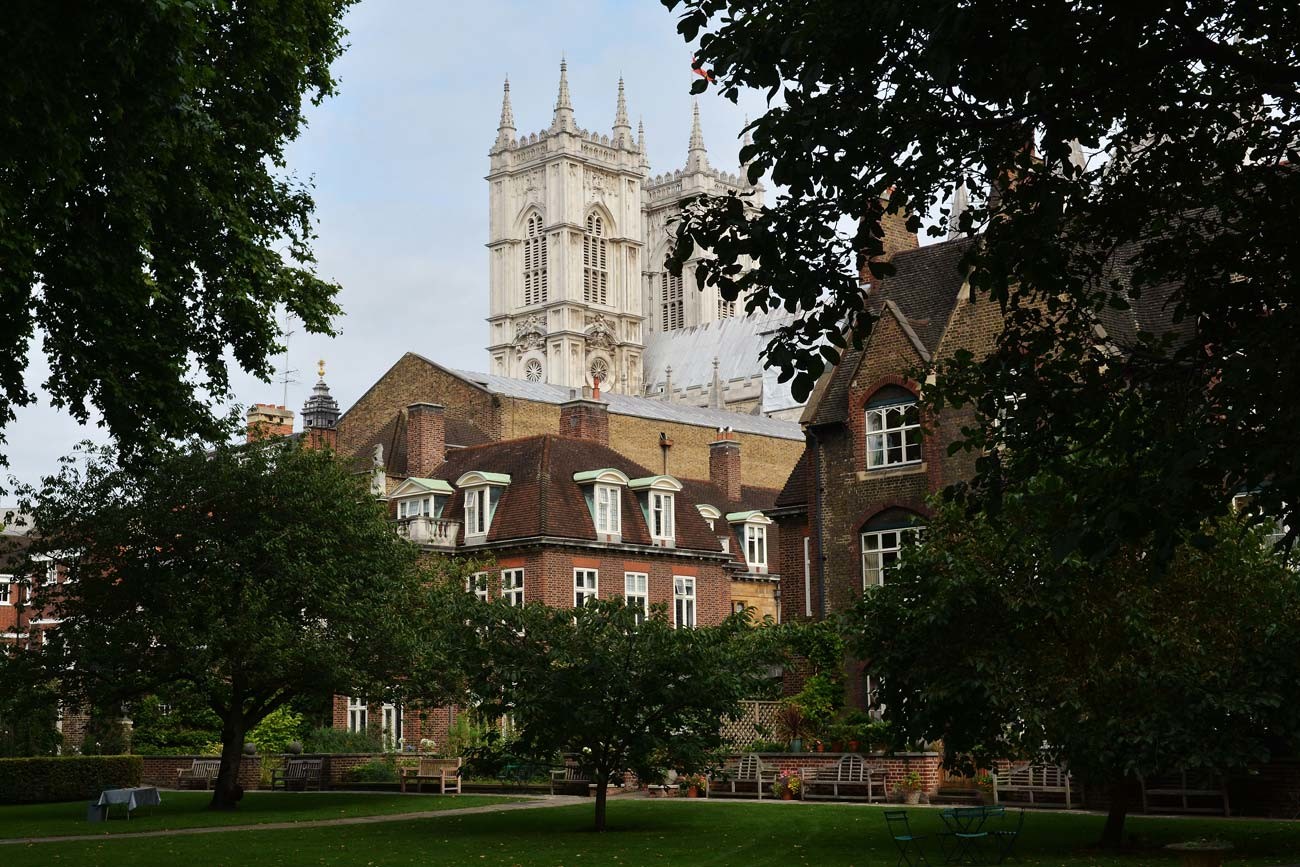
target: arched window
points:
(534, 262)
(672, 302)
(726, 309)
(883, 539)
(595, 266)
(893, 424)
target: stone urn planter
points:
(1201, 853)
(912, 797)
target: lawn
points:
(655, 832)
(188, 810)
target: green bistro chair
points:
(909, 844)
(1006, 835)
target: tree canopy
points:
(1117, 670)
(617, 690)
(1118, 158)
(148, 227)
(244, 575)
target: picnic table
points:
(130, 798)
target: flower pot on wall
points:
(796, 745)
(692, 791)
(853, 746)
(787, 795)
(912, 797)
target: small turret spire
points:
(506, 129)
(746, 140)
(697, 158)
(563, 119)
(640, 143)
(622, 127)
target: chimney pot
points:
(585, 419)
(724, 464)
(426, 439)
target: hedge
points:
(66, 778)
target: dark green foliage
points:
(617, 692)
(65, 778)
(1124, 670)
(29, 709)
(374, 771)
(150, 227)
(331, 740)
(277, 730)
(183, 725)
(1186, 215)
(106, 735)
(244, 575)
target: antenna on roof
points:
(286, 372)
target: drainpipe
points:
(818, 527)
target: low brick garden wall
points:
(895, 765)
(161, 771)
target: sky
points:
(398, 158)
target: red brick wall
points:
(895, 766)
(426, 438)
(585, 419)
(161, 770)
(724, 465)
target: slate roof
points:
(543, 500)
(392, 436)
(640, 407)
(751, 497)
(798, 488)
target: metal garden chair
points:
(909, 844)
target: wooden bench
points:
(202, 771)
(747, 779)
(570, 779)
(445, 773)
(299, 774)
(1182, 792)
(1027, 783)
(851, 777)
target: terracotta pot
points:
(692, 791)
(853, 746)
(787, 795)
(913, 797)
(821, 747)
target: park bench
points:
(747, 779)
(445, 773)
(1028, 783)
(851, 777)
(1182, 792)
(299, 774)
(201, 771)
(570, 780)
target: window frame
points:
(512, 586)
(755, 532)
(535, 248)
(7, 583)
(876, 442)
(904, 535)
(672, 303)
(358, 708)
(477, 583)
(663, 516)
(632, 593)
(595, 261)
(613, 507)
(583, 593)
(685, 604)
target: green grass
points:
(188, 810)
(656, 832)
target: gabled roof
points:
(543, 499)
(798, 488)
(751, 497)
(392, 436)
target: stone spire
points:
(622, 127)
(563, 119)
(746, 140)
(697, 158)
(668, 384)
(506, 129)
(715, 395)
(960, 202)
(640, 143)
(321, 411)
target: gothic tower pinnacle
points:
(697, 158)
(563, 119)
(506, 129)
(622, 127)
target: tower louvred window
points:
(534, 262)
(595, 264)
(672, 302)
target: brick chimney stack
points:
(724, 463)
(267, 420)
(586, 419)
(426, 439)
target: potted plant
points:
(787, 785)
(691, 785)
(984, 782)
(910, 786)
(793, 724)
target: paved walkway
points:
(531, 804)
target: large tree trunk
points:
(227, 792)
(602, 789)
(1112, 835)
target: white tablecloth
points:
(142, 796)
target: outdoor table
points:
(140, 796)
(966, 827)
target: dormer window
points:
(751, 533)
(658, 495)
(893, 424)
(482, 492)
(710, 515)
(603, 490)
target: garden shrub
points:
(280, 728)
(179, 725)
(65, 778)
(328, 740)
(373, 771)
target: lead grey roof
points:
(640, 407)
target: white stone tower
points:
(566, 247)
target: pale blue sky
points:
(398, 159)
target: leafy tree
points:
(619, 692)
(1179, 204)
(29, 709)
(149, 228)
(181, 724)
(1119, 670)
(244, 574)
